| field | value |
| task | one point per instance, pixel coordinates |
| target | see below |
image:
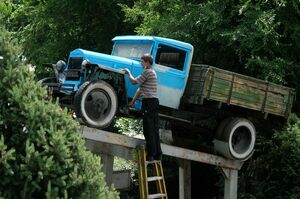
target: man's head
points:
(147, 60)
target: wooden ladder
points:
(157, 176)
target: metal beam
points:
(185, 184)
(110, 149)
(100, 141)
(231, 184)
(112, 138)
(107, 161)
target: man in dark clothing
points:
(148, 89)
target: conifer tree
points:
(41, 152)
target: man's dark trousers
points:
(150, 126)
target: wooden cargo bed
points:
(210, 83)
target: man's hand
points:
(127, 71)
(131, 104)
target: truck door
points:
(132, 50)
(171, 65)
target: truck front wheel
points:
(235, 138)
(46, 80)
(96, 104)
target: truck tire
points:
(96, 104)
(47, 80)
(235, 138)
(49, 83)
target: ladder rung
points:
(154, 178)
(153, 162)
(157, 195)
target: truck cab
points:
(84, 69)
(171, 61)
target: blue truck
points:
(197, 101)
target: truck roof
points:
(153, 38)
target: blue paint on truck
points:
(127, 52)
(92, 81)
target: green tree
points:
(274, 171)
(42, 154)
(49, 30)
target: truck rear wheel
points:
(235, 138)
(96, 104)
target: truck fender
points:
(122, 87)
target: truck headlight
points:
(60, 66)
(85, 63)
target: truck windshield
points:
(131, 50)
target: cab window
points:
(132, 50)
(170, 57)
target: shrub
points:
(274, 172)
(42, 154)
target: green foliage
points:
(129, 125)
(6, 51)
(49, 30)
(42, 154)
(257, 38)
(274, 171)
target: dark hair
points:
(147, 58)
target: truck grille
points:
(73, 75)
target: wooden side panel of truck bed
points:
(207, 82)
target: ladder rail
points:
(158, 172)
(158, 177)
(163, 188)
(143, 185)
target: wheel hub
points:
(241, 140)
(97, 104)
